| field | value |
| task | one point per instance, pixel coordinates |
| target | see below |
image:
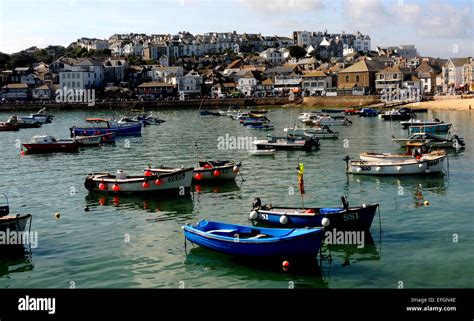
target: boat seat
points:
(223, 231)
(259, 236)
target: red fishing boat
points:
(48, 144)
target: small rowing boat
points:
(255, 241)
(12, 223)
(105, 126)
(418, 122)
(319, 132)
(341, 218)
(424, 165)
(216, 171)
(436, 128)
(159, 180)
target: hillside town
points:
(221, 65)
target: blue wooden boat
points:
(368, 112)
(255, 241)
(341, 218)
(434, 128)
(106, 126)
(264, 126)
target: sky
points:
(438, 28)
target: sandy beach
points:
(446, 104)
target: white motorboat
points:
(288, 143)
(216, 171)
(318, 132)
(331, 121)
(418, 122)
(424, 165)
(390, 157)
(39, 117)
(433, 141)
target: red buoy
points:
(198, 176)
(158, 182)
(115, 188)
(198, 188)
(22, 153)
(286, 266)
(145, 184)
(148, 172)
(216, 173)
(102, 186)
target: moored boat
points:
(340, 218)
(423, 165)
(320, 132)
(288, 143)
(8, 127)
(331, 121)
(49, 144)
(94, 140)
(368, 112)
(255, 241)
(12, 223)
(209, 113)
(40, 117)
(436, 128)
(159, 180)
(105, 126)
(400, 114)
(216, 171)
(391, 157)
(433, 141)
(14, 120)
(418, 122)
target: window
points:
(382, 76)
(395, 76)
(357, 78)
(347, 78)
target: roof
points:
(459, 62)
(267, 82)
(364, 66)
(315, 74)
(155, 84)
(90, 62)
(236, 64)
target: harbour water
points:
(137, 241)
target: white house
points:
(362, 43)
(86, 74)
(166, 74)
(453, 74)
(133, 49)
(190, 83)
(247, 84)
(275, 56)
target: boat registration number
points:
(263, 216)
(366, 168)
(177, 177)
(351, 216)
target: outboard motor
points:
(257, 203)
(345, 202)
(458, 142)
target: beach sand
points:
(446, 104)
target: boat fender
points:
(325, 222)
(253, 215)
(283, 219)
(235, 169)
(89, 183)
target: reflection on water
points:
(260, 269)
(15, 260)
(169, 205)
(352, 253)
(220, 187)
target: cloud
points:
(283, 6)
(431, 19)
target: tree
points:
(297, 52)
(4, 60)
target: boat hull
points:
(15, 223)
(178, 182)
(61, 147)
(301, 242)
(128, 129)
(407, 124)
(438, 128)
(208, 174)
(426, 166)
(355, 218)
